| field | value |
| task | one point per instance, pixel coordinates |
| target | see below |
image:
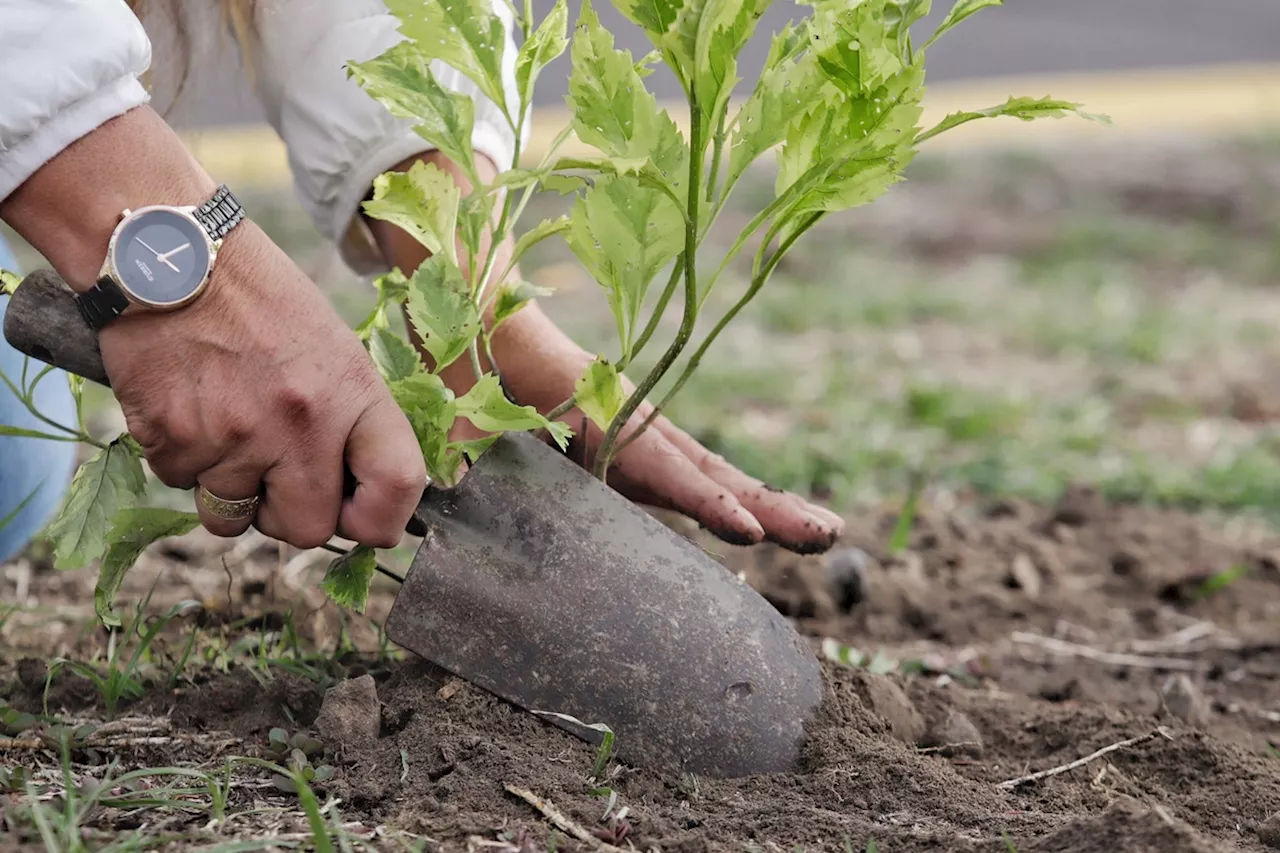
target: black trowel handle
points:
(43, 322)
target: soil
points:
(1028, 637)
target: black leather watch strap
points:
(102, 303)
(220, 214)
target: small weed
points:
(1221, 581)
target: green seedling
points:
(837, 105)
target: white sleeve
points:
(338, 137)
(66, 67)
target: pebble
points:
(957, 733)
(1184, 700)
(350, 713)
(846, 574)
(1269, 831)
(1025, 575)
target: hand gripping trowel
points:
(545, 587)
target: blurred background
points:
(1038, 304)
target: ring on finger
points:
(229, 510)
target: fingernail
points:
(747, 522)
(821, 526)
(832, 520)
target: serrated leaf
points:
(961, 10)
(614, 112)
(422, 202)
(566, 184)
(474, 448)
(392, 289)
(429, 406)
(785, 89)
(473, 217)
(856, 46)
(465, 34)
(1024, 108)
(401, 79)
(546, 44)
(624, 234)
(394, 357)
(347, 581)
(599, 392)
(488, 408)
(902, 16)
(544, 229)
(132, 531)
(719, 34)
(110, 481)
(513, 296)
(441, 311)
(655, 17)
(9, 282)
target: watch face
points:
(161, 256)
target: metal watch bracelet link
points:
(220, 213)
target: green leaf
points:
(23, 432)
(565, 184)
(132, 532)
(720, 32)
(401, 79)
(624, 233)
(902, 16)
(614, 112)
(856, 46)
(655, 17)
(599, 393)
(110, 481)
(392, 289)
(9, 282)
(787, 88)
(474, 448)
(961, 10)
(423, 202)
(348, 577)
(1027, 109)
(464, 34)
(486, 406)
(474, 215)
(441, 311)
(394, 357)
(544, 229)
(547, 43)
(430, 408)
(513, 296)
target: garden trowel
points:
(542, 585)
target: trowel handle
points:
(43, 322)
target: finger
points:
(788, 519)
(217, 494)
(303, 497)
(386, 461)
(653, 471)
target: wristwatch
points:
(160, 258)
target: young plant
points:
(838, 106)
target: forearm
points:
(69, 207)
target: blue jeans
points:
(34, 470)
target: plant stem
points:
(696, 359)
(717, 151)
(656, 317)
(605, 452)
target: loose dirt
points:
(1025, 638)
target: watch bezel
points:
(113, 270)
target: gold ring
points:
(226, 509)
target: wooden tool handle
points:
(43, 321)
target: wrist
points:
(69, 208)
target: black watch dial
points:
(161, 257)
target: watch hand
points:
(149, 249)
(172, 252)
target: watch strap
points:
(102, 303)
(220, 213)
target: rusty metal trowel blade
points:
(539, 584)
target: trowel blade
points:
(541, 585)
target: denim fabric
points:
(30, 466)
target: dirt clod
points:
(954, 734)
(1269, 831)
(1184, 700)
(350, 714)
(846, 571)
(885, 697)
(1025, 575)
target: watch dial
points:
(161, 256)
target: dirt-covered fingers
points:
(386, 463)
(788, 519)
(654, 471)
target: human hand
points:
(260, 388)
